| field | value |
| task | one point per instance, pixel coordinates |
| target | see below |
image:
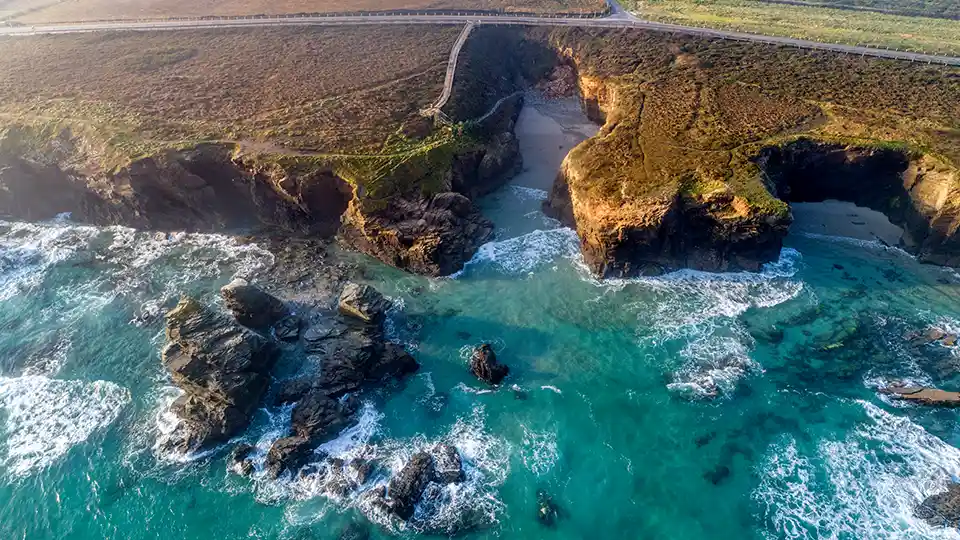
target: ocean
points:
(687, 406)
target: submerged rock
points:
(288, 453)
(251, 306)
(484, 365)
(363, 302)
(223, 369)
(548, 513)
(924, 396)
(942, 509)
(240, 459)
(355, 531)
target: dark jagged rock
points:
(484, 364)
(293, 390)
(223, 369)
(448, 467)
(363, 302)
(924, 396)
(288, 453)
(360, 469)
(318, 417)
(251, 306)
(352, 355)
(240, 459)
(406, 488)
(941, 509)
(433, 237)
(393, 362)
(287, 328)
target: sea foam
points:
(45, 417)
(866, 485)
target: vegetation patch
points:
(47, 11)
(809, 21)
(695, 127)
(294, 90)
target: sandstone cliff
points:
(704, 145)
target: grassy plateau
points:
(811, 21)
(51, 11)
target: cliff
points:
(704, 145)
(175, 136)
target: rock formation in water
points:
(941, 509)
(441, 465)
(223, 370)
(484, 365)
(251, 306)
(353, 354)
(924, 396)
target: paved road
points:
(617, 19)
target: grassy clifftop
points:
(690, 112)
(345, 100)
(42, 11)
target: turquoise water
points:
(650, 408)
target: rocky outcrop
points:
(206, 188)
(362, 302)
(353, 354)
(942, 509)
(406, 488)
(251, 306)
(484, 365)
(924, 396)
(441, 465)
(691, 171)
(240, 459)
(432, 236)
(447, 464)
(223, 370)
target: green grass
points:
(917, 34)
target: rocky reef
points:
(223, 370)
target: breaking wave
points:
(865, 486)
(524, 193)
(539, 452)
(875, 245)
(45, 417)
(526, 253)
(444, 509)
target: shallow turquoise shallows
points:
(689, 406)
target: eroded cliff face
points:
(206, 188)
(669, 183)
(634, 221)
(423, 220)
(920, 193)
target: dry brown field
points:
(46, 11)
(318, 89)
